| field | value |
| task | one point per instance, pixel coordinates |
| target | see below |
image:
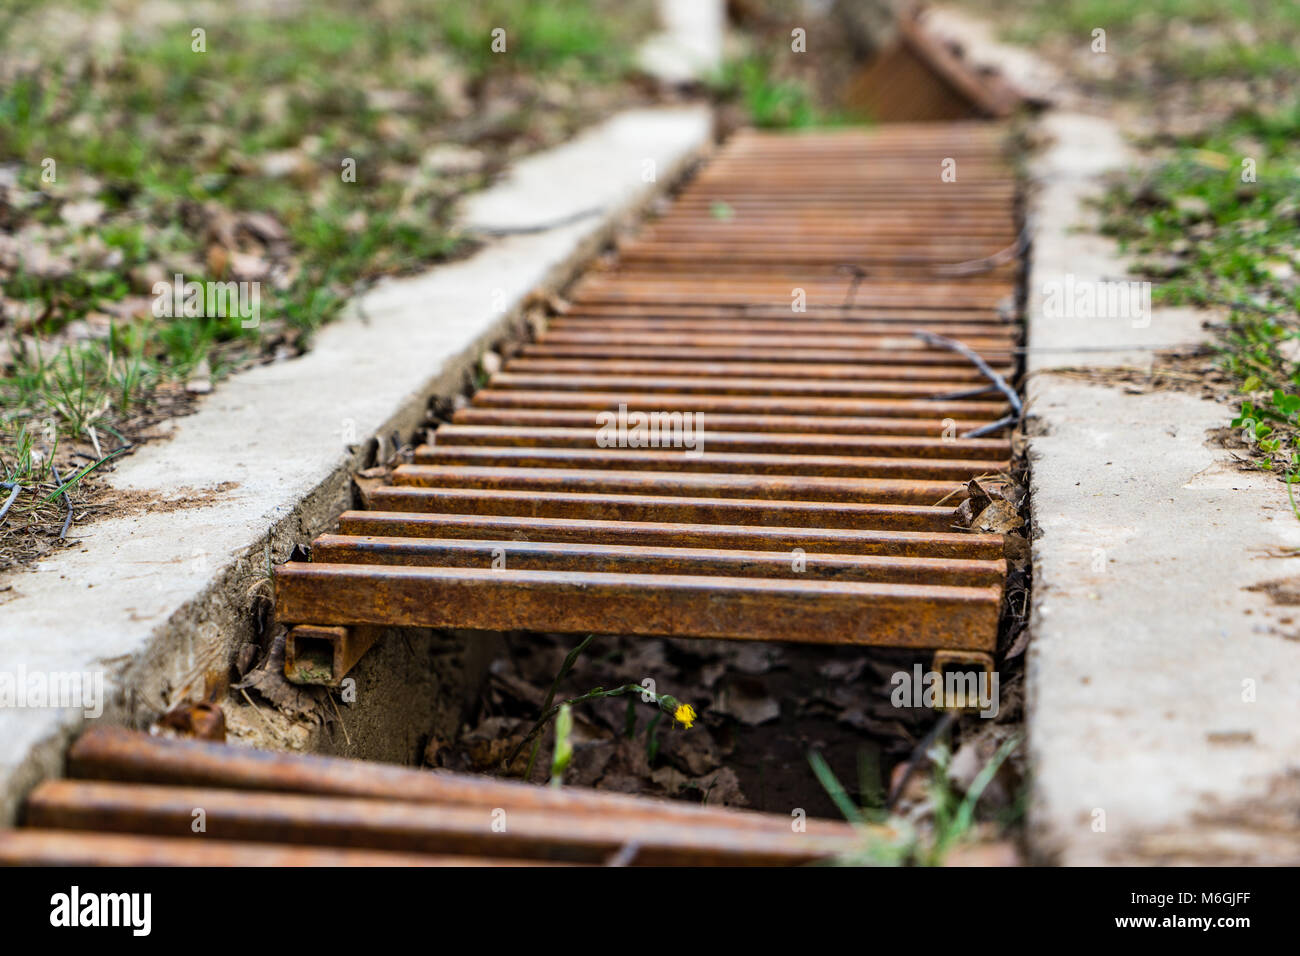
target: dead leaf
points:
(436, 752)
(263, 227)
(999, 517)
(247, 267)
(218, 260)
(748, 702)
(1016, 550)
(80, 214)
(722, 789)
(671, 780)
(283, 164)
(977, 499)
(859, 719)
(1018, 645)
(204, 721)
(492, 741)
(692, 752)
(200, 382)
(144, 277)
(754, 658)
(846, 670)
(297, 700)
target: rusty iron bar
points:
(131, 798)
(689, 365)
(957, 313)
(637, 507)
(565, 556)
(125, 756)
(757, 442)
(913, 544)
(42, 847)
(730, 463)
(778, 405)
(774, 387)
(885, 349)
(324, 655)
(397, 826)
(664, 605)
(718, 423)
(677, 484)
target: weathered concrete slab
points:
(689, 47)
(162, 592)
(1163, 722)
(1086, 310)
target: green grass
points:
(952, 818)
(542, 39)
(1211, 239)
(174, 142)
(1185, 40)
(167, 133)
(770, 100)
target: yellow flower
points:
(685, 715)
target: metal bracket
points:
(947, 660)
(324, 655)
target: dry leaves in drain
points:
(995, 509)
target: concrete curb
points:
(689, 47)
(1161, 710)
(161, 595)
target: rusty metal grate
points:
(920, 77)
(837, 445)
(130, 800)
(777, 300)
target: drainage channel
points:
(816, 450)
(757, 424)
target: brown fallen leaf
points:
(297, 700)
(670, 780)
(858, 719)
(84, 213)
(263, 227)
(722, 789)
(436, 752)
(218, 258)
(1016, 550)
(754, 658)
(999, 517)
(843, 670)
(589, 763)
(247, 267)
(977, 499)
(748, 702)
(493, 740)
(693, 753)
(1013, 492)
(204, 721)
